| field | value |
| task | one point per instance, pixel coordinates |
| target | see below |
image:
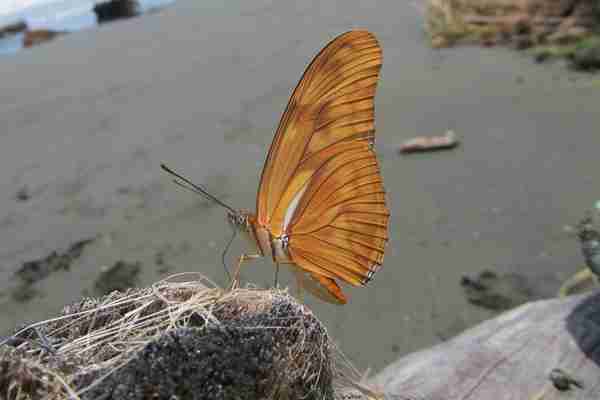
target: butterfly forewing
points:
(327, 83)
(321, 185)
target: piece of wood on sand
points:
(513, 356)
(424, 143)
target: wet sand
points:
(88, 118)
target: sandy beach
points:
(89, 117)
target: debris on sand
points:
(31, 37)
(37, 270)
(38, 36)
(23, 194)
(497, 292)
(423, 143)
(121, 276)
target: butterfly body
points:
(263, 241)
(267, 245)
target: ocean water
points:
(59, 15)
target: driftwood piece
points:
(36, 37)
(510, 357)
(421, 144)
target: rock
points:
(13, 29)
(563, 381)
(510, 357)
(177, 340)
(217, 362)
(116, 9)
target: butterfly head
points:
(238, 219)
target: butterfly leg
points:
(236, 276)
(276, 283)
(299, 286)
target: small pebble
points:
(563, 381)
(23, 194)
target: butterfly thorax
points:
(259, 236)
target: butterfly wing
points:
(320, 184)
(322, 287)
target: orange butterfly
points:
(321, 204)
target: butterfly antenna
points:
(225, 253)
(199, 189)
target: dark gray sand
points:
(87, 119)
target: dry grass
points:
(97, 339)
(451, 21)
(490, 22)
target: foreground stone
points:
(173, 341)
(514, 356)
